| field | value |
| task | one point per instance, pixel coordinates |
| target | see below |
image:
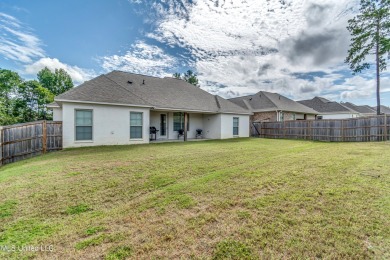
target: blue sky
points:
(295, 48)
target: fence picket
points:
(26, 140)
(364, 129)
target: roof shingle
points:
(324, 105)
(265, 101)
(361, 109)
(119, 87)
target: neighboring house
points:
(267, 106)
(120, 107)
(384, 109)
(328, 109)
(362, 110)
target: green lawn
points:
(241, 198)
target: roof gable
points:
(323, 105)
(102, 90)
(384, 109)
(266, 101)
(166, 92)
(360, 109)
(119, 87)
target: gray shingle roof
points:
(102, 89)
(384, 109)
(360, 109)
(265, 101)
(53, 104)
(324, 105)
(119, 87)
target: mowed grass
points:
(238, 199)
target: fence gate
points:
(21, 141)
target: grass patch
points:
(231, 249)
(7, 209)
(95, 241)
(244, 214)
(119, 253)
(93, 230)
(24, 232)
(78, 209)
(274, 199)
(71, 174)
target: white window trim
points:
(238, 127)
(75, 126)
(142, 126)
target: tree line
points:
(26, 100)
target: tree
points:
(177, 75)
(57, 82)
(9, 82)
(189, 76)
(370, 31)
(7, 118)
(31, 101)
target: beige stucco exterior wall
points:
(57, 114)
(111, 125)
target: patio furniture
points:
(153, 131)
(180, 132)
(199, 133)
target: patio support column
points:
(185, 126)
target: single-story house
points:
(363, 110)
(269, 107)
(329, 109)
(120, 108)
(384, 109)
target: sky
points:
(236, 47)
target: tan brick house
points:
(268, 107)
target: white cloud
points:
(241, 47)
(20, 44)
(141, 58)
(359, 87)
(17, 42)
(77, 74)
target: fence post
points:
(1, 145)
(44, 136)
(342, 130)
(385, 133)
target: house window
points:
(235, 125)
(178, 121)
(83, 125)
(281, 116)
(136, 125)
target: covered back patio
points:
(182, 126)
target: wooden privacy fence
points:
(363, 129)
(21, 141)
